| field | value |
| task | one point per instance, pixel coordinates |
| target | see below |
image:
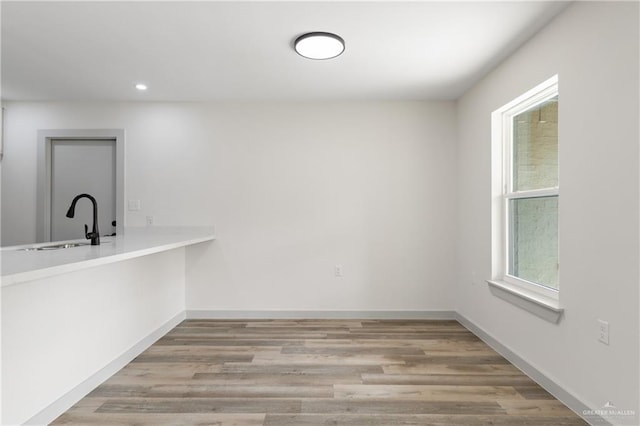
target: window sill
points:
(541, 306)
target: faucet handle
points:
(86, 232)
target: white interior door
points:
(82, 167)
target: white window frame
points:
(502, 192)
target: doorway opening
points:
(72, 162)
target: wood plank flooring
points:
(319, 372)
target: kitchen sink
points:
(54, 246)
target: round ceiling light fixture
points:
(141, 87)
(319, 45)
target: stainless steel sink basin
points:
(55, 246)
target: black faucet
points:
(94, 235)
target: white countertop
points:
(20, 265)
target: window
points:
(526, 191)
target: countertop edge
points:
(20, 277)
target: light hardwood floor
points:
(320, 372)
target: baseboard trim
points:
(277, 314)
(536, 375)
(62, 404)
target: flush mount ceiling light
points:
(141, 87)
(319, 45)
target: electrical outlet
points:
(337, 270)
(474, 278)
(149, 220)
(603, 331)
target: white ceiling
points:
(240, 50)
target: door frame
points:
(43, 202)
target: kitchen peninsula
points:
(72, 317)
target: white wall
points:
(59, 331)
(594, 49)
(293, 189)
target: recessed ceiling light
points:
(319, 45)
(141, 87)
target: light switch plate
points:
(134, 205)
